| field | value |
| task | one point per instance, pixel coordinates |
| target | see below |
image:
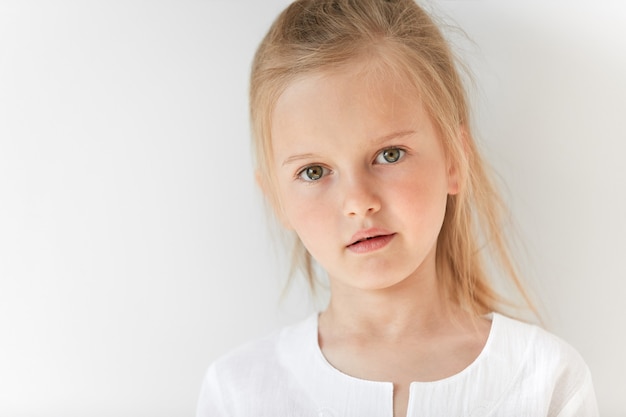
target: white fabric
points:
(523, 371)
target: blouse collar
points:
(338, 394)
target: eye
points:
(312, 173)
(390, 155)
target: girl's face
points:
(362, 177)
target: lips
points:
(370, 240)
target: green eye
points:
(389, 156)
(312, 173)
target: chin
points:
(373, 283)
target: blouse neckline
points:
(319, 356)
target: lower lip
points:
(371, 245)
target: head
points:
(398, 40)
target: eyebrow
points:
(294, 158)
(376, 141)
(392, 136)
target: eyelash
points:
(302, 173)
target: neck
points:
(414, 306)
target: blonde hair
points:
(311, 36)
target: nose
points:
(360, 197)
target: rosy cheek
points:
(304, 211)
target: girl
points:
(365, 151)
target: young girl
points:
(365, 151)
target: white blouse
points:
(523, 371)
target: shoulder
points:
(547, 365)
(247, 377)
(253, 354)
(266, 354)
(536, 346)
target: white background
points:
(133, 247)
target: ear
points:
(454, 176)
(271, 196)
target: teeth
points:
(363, 240)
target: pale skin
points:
(356, 155)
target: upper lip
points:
(368, 234)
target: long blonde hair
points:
(312, 36)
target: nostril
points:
(360, 201)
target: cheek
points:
(305, 211)
(421, 193)
(312, 222)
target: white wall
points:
(132, 245)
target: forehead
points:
(355, 99)
(365, 76)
